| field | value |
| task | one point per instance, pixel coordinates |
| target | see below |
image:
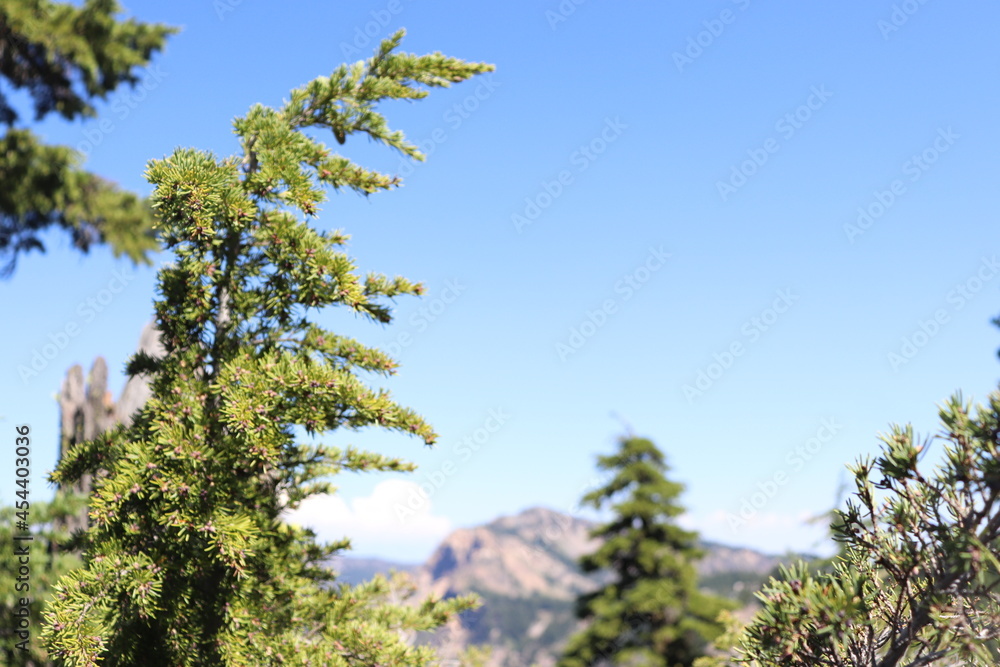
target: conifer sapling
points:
(188, 561)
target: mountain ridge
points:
(524, 567)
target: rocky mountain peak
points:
(533, 552)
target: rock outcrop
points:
(87, 409)
(533, 553)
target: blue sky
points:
(760, 233)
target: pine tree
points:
(916, 579)
(651, 612)
(66, 56)
(188, 560)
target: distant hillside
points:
(532, 553)
(356, 570)
(720, 559)
(524, 567)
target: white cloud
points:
(394, 522)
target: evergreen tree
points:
(47, 562)
(651, 612)
(66, 56)
(916, 580)
(188, 561)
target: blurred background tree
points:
(652, 611)
(66, 57)
(49, 562)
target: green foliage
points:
(652, 612)
(475, 656)
(65, 56)
(189, 561)
(47, 562)
(915, 582)
(724, 645)
(44, 186)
